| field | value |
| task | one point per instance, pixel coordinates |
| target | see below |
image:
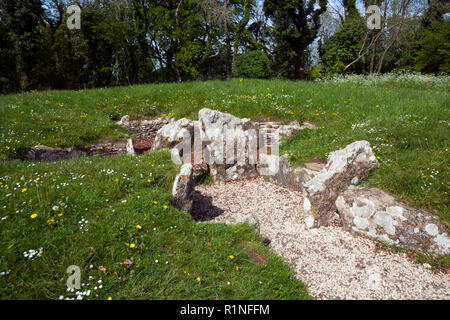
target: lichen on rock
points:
(379, 215)
(183, 187)
(343, 166)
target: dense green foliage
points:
(342, 48)
(434, 52)
(296, 24)
(253, 64)
(125, 42)
(405, 41)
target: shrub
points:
(253, 64)
(318, 72)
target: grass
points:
(439, 263)
(406, 119)
(127, 205)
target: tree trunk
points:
(229, 62)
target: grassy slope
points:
(126, 200)
(407, 123)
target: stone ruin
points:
(331, 194)
(144, 132)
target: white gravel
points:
(332, 263)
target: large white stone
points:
(432, 229)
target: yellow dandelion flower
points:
(138, 227)
(60, 214)
(165, 207)
(132, 245)
(155, 202)
(24, 189)
(199, 279)
(231, 257)
(51, 220)
(109, 298)
(34, 215)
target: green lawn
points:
(406, 119)
(126, 203)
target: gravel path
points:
(332, 263)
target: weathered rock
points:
(105, 148)
(343, 166)
(231, 145)
(173, 133)
(124, 121)
(45, 153)
(315, 165)
(246, 218)
(183, 187)
(110, 148)
(146, 128)
(290, 176)
(379, 215)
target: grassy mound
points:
(113, 218)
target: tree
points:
(9, 81)
(435, 12)
(377, 43)
(342, 47)
(296, 24)
(260, 29)
(22, 18)
(434, 53)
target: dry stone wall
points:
(330, 194)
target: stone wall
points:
(106, 148)
(330, 194)
(380, 215)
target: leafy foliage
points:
(343, 47)
(254, 64)
(434, 52)
(296, 24)
(151, 41)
